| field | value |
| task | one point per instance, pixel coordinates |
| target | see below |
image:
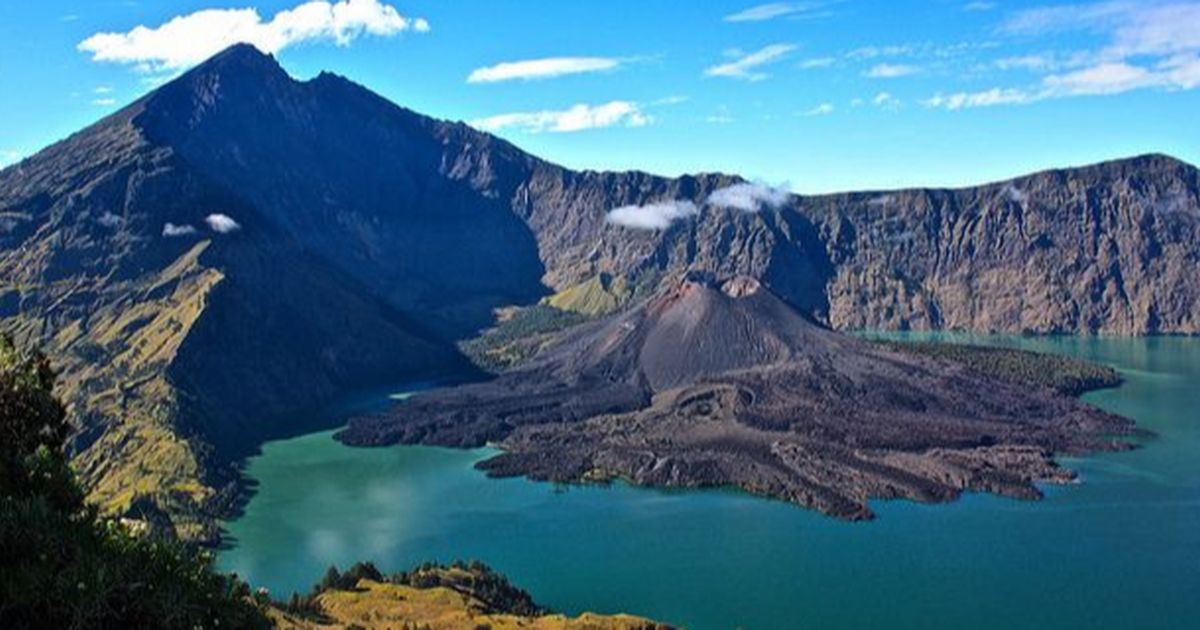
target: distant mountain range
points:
(235, 249)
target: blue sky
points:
(818, 96)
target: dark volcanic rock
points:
(707, 385)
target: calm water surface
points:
(1121, 550)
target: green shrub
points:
(64, 566)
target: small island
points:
(718, 382)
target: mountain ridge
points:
(372, 238)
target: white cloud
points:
(820, 110)
(1066, 17)
(222, 223)
(654, 216)
(1150, 45)
(1182, 71)
(748, 197)
(102, 89)
(1026, 62)
(986, 98)
(744, 66)
(1175, 73)
(979, 6)
(670, 100)
(577, 118)
(1134, 28)
(104, 102)
(891, 71)
(188, 39)
(1105, 78)
(772, 10)
(547, 68)
(886, 100)
(170, 230)
(817, 62)
(1159, 30)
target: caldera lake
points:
(1120, 549)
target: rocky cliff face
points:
(236, 248)
(1110, 249)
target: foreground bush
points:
(63, 565)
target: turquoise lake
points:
(1119, 550)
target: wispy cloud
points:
(745, 66)
(102, 89)
(721, 117)
(891, 71)
(654, 216)
(886, 100)
(817, 62)
(1032, 62)
(773, 10)
(577, 118)
(986, 98)
(546, 68)
(979, 6)
(1134, 28)
(188, 39)
(749, 197)
(1150, 45)
(820, 110)
(104, 102)
(1180, 73)
(1066, 17)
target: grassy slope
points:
(112, 358)
(376, 605)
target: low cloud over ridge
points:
(222, 223)
(748, 197)
(654, 216)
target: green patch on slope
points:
(1068, 375)
(599, 295)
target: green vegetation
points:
(459, 596)
(471, 579)
(520, 336)
(1065, 374)
(599, 295)
(64, 565)
(523, 332)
